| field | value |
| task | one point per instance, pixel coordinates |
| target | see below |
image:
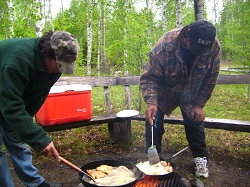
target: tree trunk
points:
(163, 13)
(99, 46)
(11, 28)
(215, 7)
(199, 9)
(179, 14)
(89, 37)
(125, 35)
(50, 15)
(149, 30)
(62, 8)
(103, 56)
(39, 24)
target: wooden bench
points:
(120, 128)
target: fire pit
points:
(171, 180)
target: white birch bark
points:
(99, 46)
(149, 30)
(199, 9)
(179, 14)
(163, 15)
(89, 36)
(103, 54)
(50, 14)
(62, 9)
(39, 23)
(11, 20)
(125, 34)
(215, 8)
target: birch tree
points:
(62, 9)
(39, 23)
(125, 33)
(179, 14)
(10, 17)
(163, 15)
(199, 9)
(47, 15)
(89, 35)
(99, 46)
(214, 10)
(103, 55)
(149, 30)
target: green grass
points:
(228, 102)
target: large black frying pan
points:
(111, 162)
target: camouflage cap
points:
(66, 48)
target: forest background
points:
(115, 39)
(116, 36)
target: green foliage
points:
(20, 17)
(233, 31)
(127, 39)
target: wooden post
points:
(118, 131)
(127, 97)
(248, 99)
(107, 99)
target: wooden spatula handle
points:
(74, 167)
(70, 164)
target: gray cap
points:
(66, 48)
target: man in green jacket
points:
(28, 69)
(182, 71)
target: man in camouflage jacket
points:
(28, 69)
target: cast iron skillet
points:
(111, 162)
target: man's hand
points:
(197, 114)
(151, 113)
(50, 151)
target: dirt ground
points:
(224, 171)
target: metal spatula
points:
(153, 156)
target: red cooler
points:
(66, 104)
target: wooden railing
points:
(121, 128)
(134, 80)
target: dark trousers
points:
(194, 133)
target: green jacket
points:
(24, 86)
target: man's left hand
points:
(197, 114)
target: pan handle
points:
(63, 160)
(141, 177)
(177, 154)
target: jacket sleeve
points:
(13, 83)
(210, 79)
(149, 80)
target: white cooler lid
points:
(73, 87)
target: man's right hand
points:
(50, 151)
(151, 113)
